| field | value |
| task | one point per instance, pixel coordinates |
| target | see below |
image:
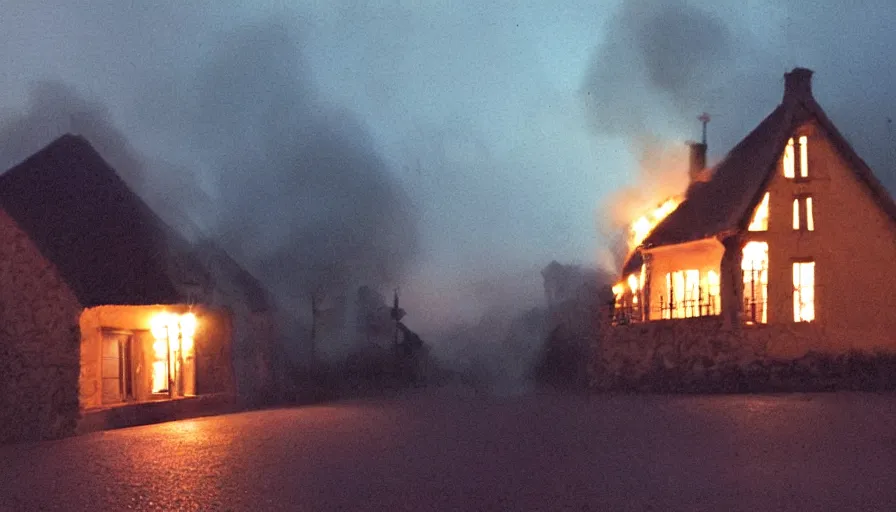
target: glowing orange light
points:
(159, 326)
(643, 225)
(172, 333)
(188, 325)
(633, 283)
(760, 216)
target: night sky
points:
(449, 148)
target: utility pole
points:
(396, 317)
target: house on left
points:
(104, 306)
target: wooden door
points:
(116, 368)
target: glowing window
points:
(667, 308)
(755, 270)
(684, 297)
(788, 160)
(803, 291)
(803, 216)
(804, 157)
(678, 288)
(173, 363)
(760, 216)
(712, 292)
(810, 218)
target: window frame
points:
(798, 290)
(797, 152)
(803, 213)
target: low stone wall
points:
(698, 354)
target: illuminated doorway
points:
(173, 355)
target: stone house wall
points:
(214, 352)
(39, 342)
(852, 244)
(253, 332)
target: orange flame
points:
(644, 224)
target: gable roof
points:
(225, 268)
(107, 244)
(726, 201)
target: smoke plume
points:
(301, 190)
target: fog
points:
(450, 150)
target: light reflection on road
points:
(438, 452)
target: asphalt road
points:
(448, 450)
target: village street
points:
(454, 450)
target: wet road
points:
(453, 451)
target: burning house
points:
(103, 306)
(791, 228)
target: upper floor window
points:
(794, 167)
(803, 216)
(760, 216)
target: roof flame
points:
(644, 224)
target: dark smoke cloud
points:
(289, 184)
(302, 191)
(658, 58)
(663, 62)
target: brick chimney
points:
(798, 85)
(697, 161)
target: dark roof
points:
(107, 244)
(253, 293)
(726, 201)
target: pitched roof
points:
(225, 268)
(107, 244)
(727, 200)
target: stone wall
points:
(39, 343)
(252, 327)
(214, 352)
(698, 354)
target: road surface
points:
(449, 450)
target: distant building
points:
(791, 229)
(563, 283)
(102, 305)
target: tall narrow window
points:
(803, 216)
(803, 291)
(678, 296)
(710, 290)
(755, 271)
(692, 293)
(666, 304)
(804, 157)
(788, 160)
(760, 216)
(810, 217)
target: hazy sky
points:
(507, 129)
